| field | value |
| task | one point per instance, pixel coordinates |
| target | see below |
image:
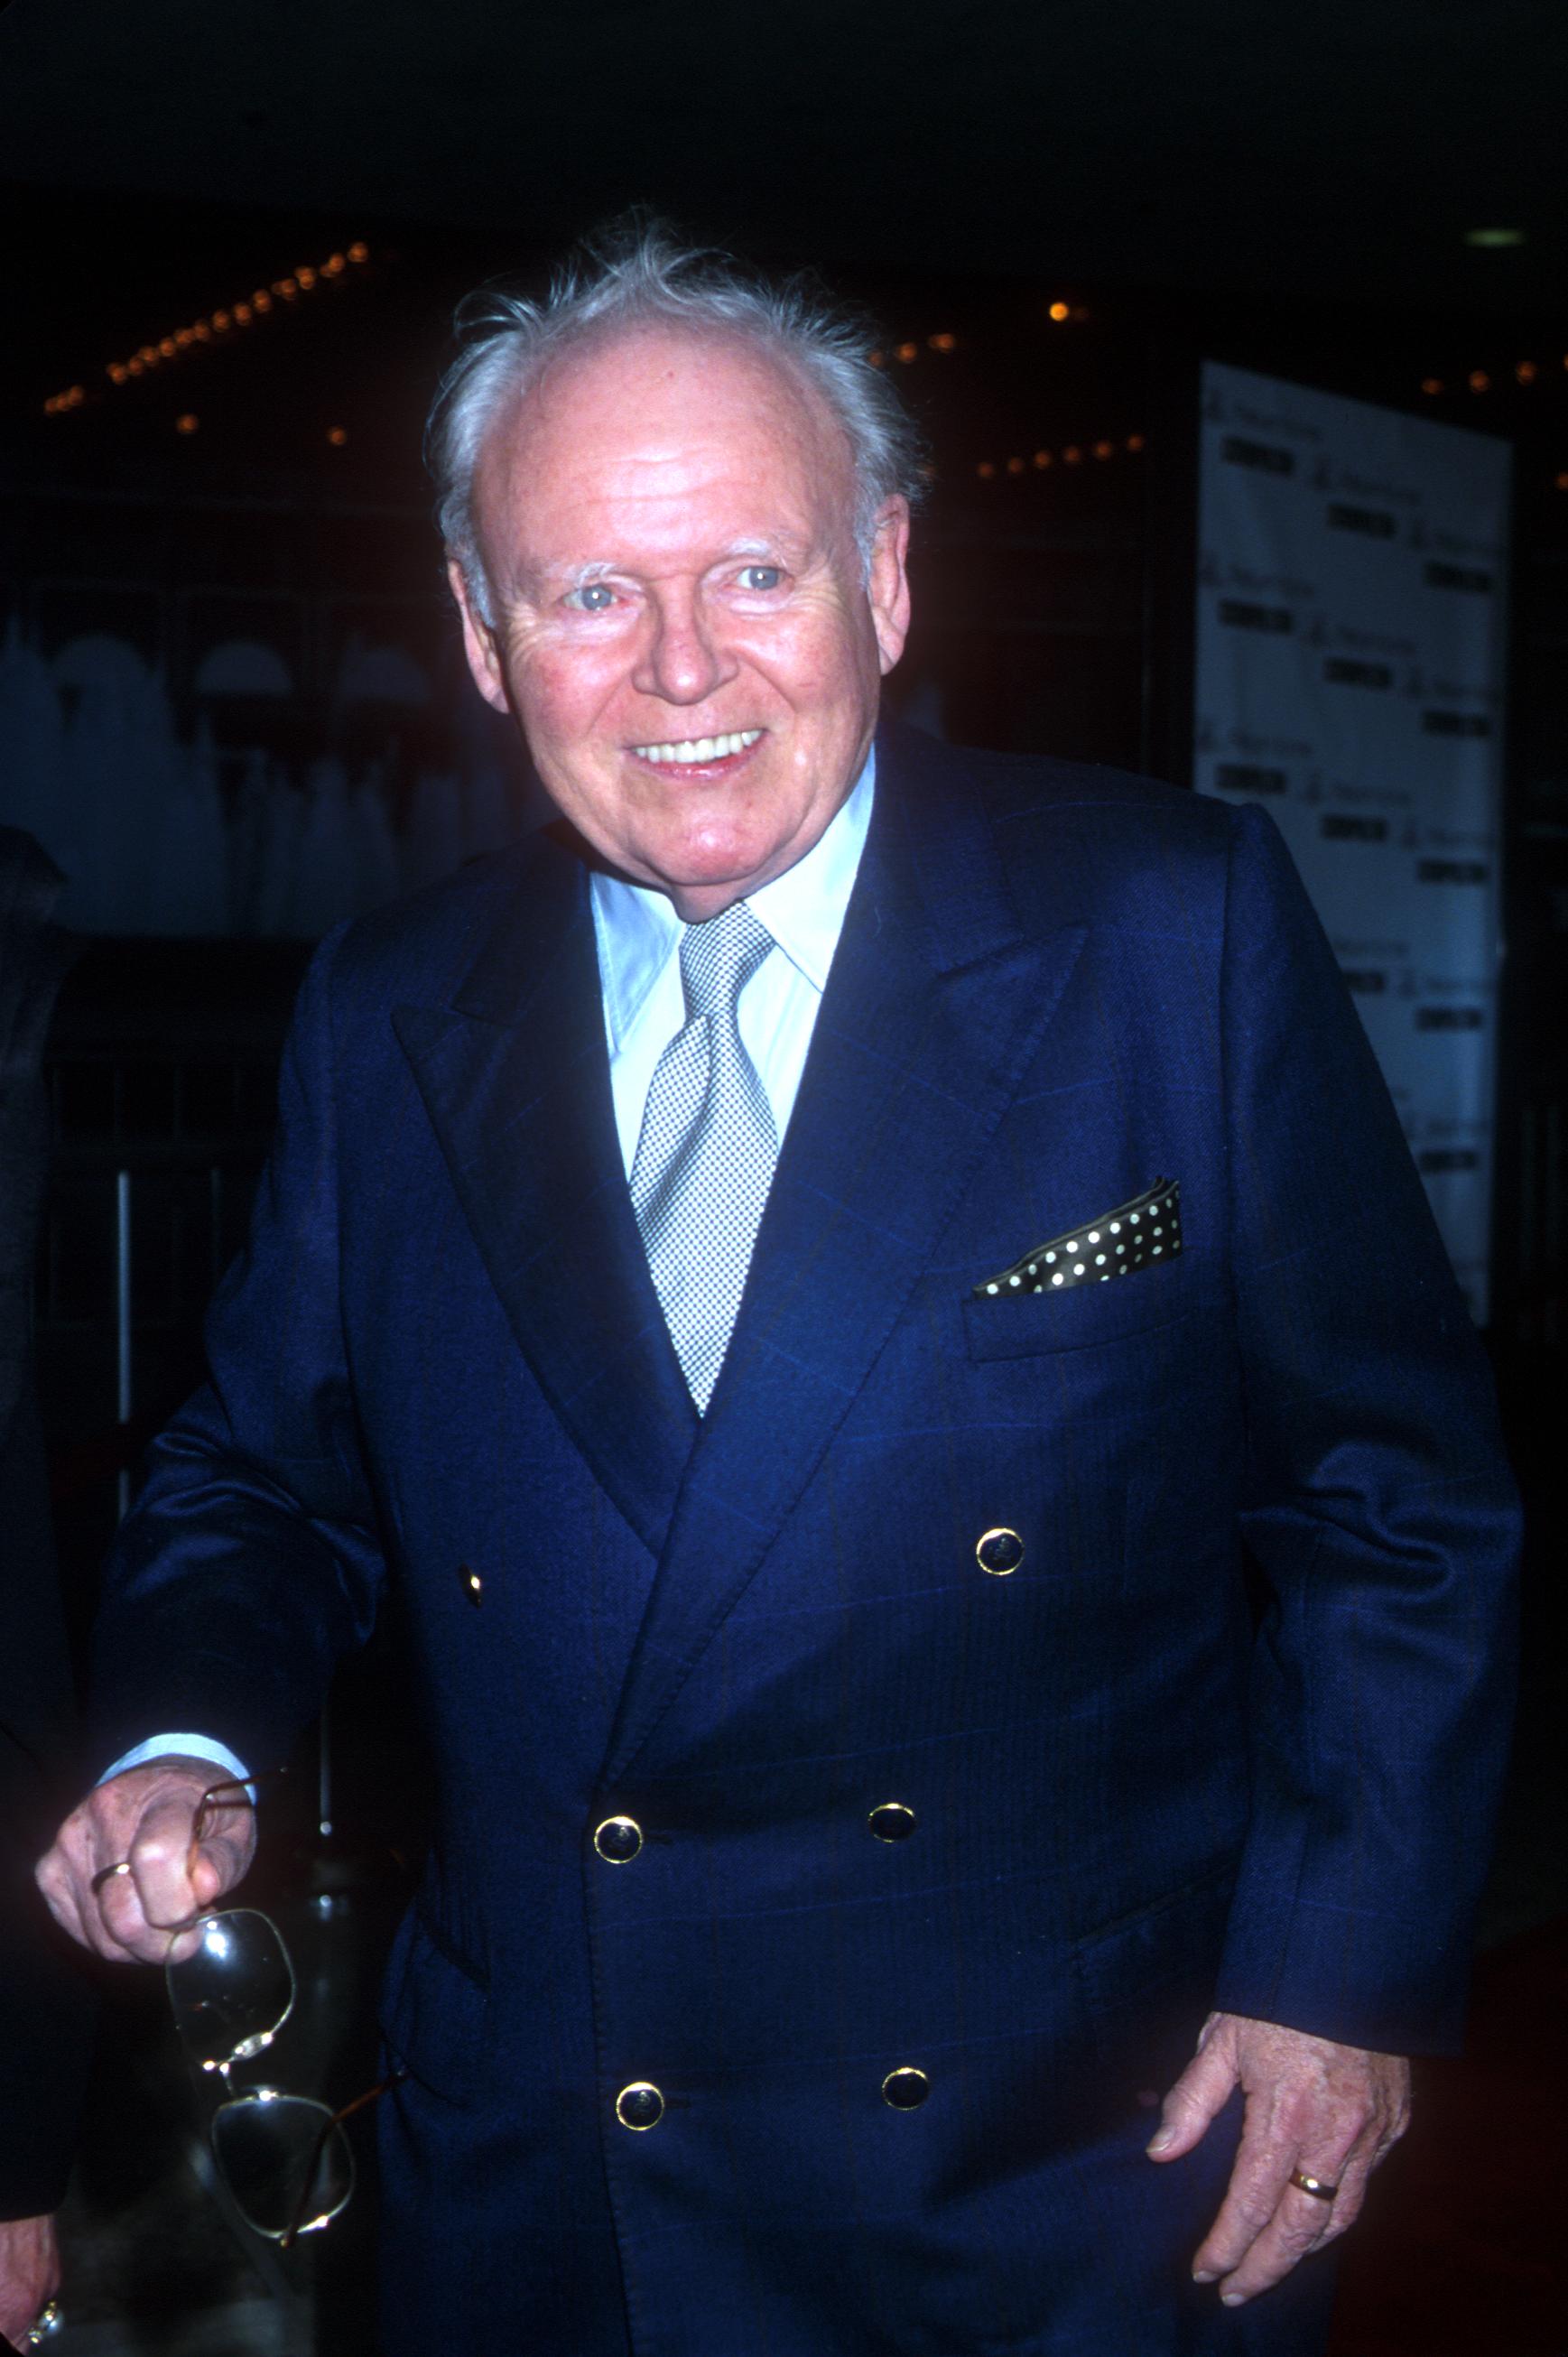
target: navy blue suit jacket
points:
(442, 1356)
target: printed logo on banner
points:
(1349, 826)
(1346, 671)
(1242, 615)
(1350, 664)
(1268, 459)
(1251, 777)
(1456, 724)
(1373, 522)
(1469, 577)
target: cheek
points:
(558, 693)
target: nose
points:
(681, 661)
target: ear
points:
(479, 642)
(888, 585)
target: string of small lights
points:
(1072, 454)
(1480, 380)
(1522, 376)
(219, 326)
(909, 350)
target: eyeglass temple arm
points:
(328, 2127)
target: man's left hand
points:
(1331, 2112)
(29, 2272)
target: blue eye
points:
(761, 576)
(593, 597)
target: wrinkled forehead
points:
(645, 419)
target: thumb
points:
(222, 1860)
(1198, 2095)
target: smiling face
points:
(681, 623)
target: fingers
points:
(1266, 2225)
(1329, 2110)
(1198, 2096)
(122, 1872)
(29, 2272)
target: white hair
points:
(637, 273)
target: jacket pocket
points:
(1147, 1979)
(1021, 1325)
(435, 2013)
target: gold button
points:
(472, 1582)
(617, 1840)
(890, 1821)
(640, 2106)
(906, 2089)
(999, 1551)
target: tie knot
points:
(719, 958)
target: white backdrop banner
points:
(1352, 624)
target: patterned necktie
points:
(705, 1159)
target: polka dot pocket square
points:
(1139, 1234)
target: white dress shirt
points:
(639, 937)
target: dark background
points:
(1287, 189)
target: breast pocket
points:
(1022, 1324)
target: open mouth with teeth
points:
(706, 753)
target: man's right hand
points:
(143, 1821)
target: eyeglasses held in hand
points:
(284, 2159)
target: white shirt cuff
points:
(189, 1747)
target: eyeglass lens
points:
(232, 1994)
(289, 2169)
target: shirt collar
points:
(639, 932)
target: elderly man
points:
(816, 1275)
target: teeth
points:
(700, 748)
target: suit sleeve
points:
(250, 1561)
(1378, 1510)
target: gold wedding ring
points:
(107, 1873)
(1318, 2187)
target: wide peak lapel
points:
(933, 1009)
(515, 1077)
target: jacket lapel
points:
(932, 1011)
(515, 1078)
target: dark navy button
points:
(617, 1840)
(890, 1821)
(906, 2089)
(640, 2106)
(999, 1552)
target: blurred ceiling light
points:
(1479, 380)
(337, 435)
(943, 343)
(1060, 311)
(1432, 384)
(187, 423)
(1494, 239)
